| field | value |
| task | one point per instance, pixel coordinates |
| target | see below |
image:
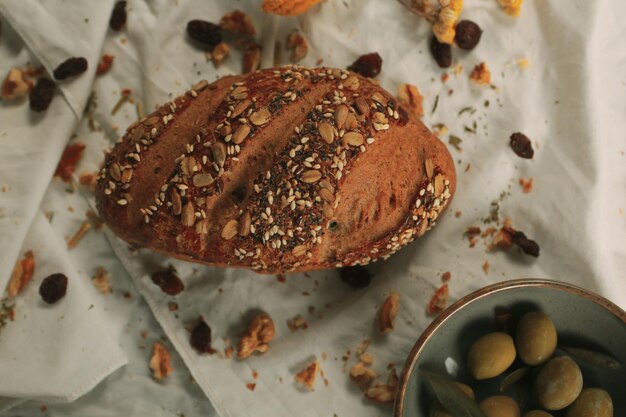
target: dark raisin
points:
(206, 33)
(71, 67)
(356, 276)
(467, 34)
(442, 52)
(168, 281)
(521, 145)
(41, 96)
(529, 246)
(368, 65)
(118, 17)
(201, 337)
(53, 288)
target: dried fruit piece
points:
(238, 22)
(69, 159)
(410, 97)
(442, 52)
(168, 281)
(41, 96)
(205, 33)
(21, 275)
(521, 145)
(71, 67)
(511, 7)
(468, 34)
(219, 53)
(368, 65)
(438, 301)
(160, 362)
(105, 64)
(256, 339)
(16, 84)
(308, 375)
(445, 21)
(529, 246)
(53, 288)
(481, 74)
(201, 337)
(388, 312)
(356, 276)
(383, 394)
(298, 45)
(118, 16)
(101, 281)
(288, 7)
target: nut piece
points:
(308, 375)
(351, 83)
(21, 275)
(177, 204)
(260, 117)
(238, 22)
(353, 138)
(388, 312)
(244, 225)
(218, 149)
(230, 229)
(481, 74)
(511, 7)
(311, 176)
(160, 362)
(362, 376)
(219, 53)
(326, 132)
(201, 180)
(256, 339)
(188, 215)
(445, 21)
(410, 97)
(101, 281)
(298, 45)
(429, 167)
(383, 394)
(241, 134)
(341, 114)
(15, 85)
(251, 59)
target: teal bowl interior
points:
(582, 319)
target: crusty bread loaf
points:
(284, 169)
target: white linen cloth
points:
(569, 101)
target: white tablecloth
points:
(570, 101)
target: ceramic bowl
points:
(582, 319)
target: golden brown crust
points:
(285, 169)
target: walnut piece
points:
(296, 323)
(511, 7)
(298, 45)
(219, 53)
(21, 275)
(237, 22)
(410, 98)
(362, 376)
(445, 21)
(383, 394)
(481, 74)
(388, 313)
(308, 375)
(101, 281)
(256, 339)
(16, 84)
(160, 362)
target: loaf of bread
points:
(284, 169)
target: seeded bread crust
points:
(284, 169)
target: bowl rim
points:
(409, 365)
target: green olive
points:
(535, 338)
(558, 383)
(500, 406)
(537, 413)
(438, 410)
(491, 355)
(592, 402)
